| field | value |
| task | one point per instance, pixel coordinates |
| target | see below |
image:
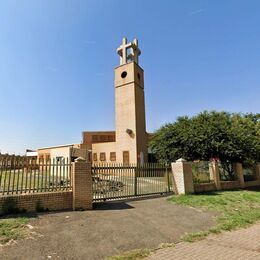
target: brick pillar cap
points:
(181, 160)
(80, 159)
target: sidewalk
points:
(241, 244)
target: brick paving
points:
(240, 244)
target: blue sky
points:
(57, 62)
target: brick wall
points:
(252, 183)
(183, 182)
(80, 197)
(228, 185)
(82, 185)
(201, 187)
(48, 200)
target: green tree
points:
(226, 136)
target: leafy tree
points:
(225, 136)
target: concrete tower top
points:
(127, 56)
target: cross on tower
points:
(134, 51)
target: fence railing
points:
(23, 175)
(200, 172)
(249, 172)
(227, 171)
(113, 181)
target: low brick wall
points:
(183, 178)
(48, 200)
(201, 187)
(252, 183)
(228, 185)
(225, 185)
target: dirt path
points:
(112, 228)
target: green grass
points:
(235, 209)
(132, 255)
(21, 180)
(139, 254)
(12, 229)
(18, 181)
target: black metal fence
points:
(115, 181)
(227, 171)
(28, 175)
(200, 172)
(249, 172)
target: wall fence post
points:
(257, 171)
(182, 177)
(82, 184)
(238, 168)
(214, 173)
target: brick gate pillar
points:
(238, 168)
(182, 177)
(82, 184)
(257, 171)
(214, 174)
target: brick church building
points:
(129, 142)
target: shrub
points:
(39, 207)
(9, 207)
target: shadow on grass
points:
(219, 192)
(254, 188)
(19, 215)
(31, 215)
(210, 193)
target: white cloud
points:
(54, 69)
(89, 42)
(197, 11)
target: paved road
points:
(243, 244)
(113, 228)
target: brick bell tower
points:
(131, 136)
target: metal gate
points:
(116, 181)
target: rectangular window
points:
(126, 158)
(112, 156)
(60, 159)
(102, 157)
(103, 138)
(89, 155)
(94, 138)
(95, 157)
